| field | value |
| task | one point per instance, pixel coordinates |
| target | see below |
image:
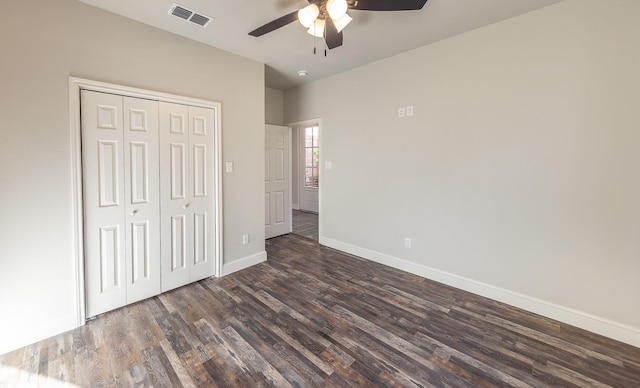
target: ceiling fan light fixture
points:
(308, 15)
(337, 8)
(317, 29)
(342, 22)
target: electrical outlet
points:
(400, 112)
(229, 166)
(407, 242)
(245, 239)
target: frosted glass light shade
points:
(317, 29)
(308, 15)
(342, 22)
(337, 8)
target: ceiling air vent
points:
(189, 15)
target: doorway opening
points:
(310, 167)
(306, 178)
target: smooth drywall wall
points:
(43, 43)
(274, 106)
(519, 172)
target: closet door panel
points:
(201, 157)
(142, 218)
(104, 201)
(175, 181)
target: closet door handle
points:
(134, 212)
(186, 205)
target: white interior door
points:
(202, 198)
(277, 175)
(122, 231)
(142, 199)
(103, 185)
(187, 194)
(309, 147)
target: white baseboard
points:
(608, 328)
(295, 206)
(243, 263)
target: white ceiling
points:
(370, 36)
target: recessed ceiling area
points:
(369, 37)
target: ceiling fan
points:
(327, 18)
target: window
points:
(312, 158)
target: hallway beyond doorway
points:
(305, 224)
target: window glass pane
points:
(315, 136)
(308, 157)
(311, 177)
(308, 137)
(316, 159)
(308, 178)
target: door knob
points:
(186, 205)
(133, 213)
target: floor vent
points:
(189, 15)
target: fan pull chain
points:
(314, 39)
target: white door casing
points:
(187, 195)
(120, 140)
(277, 175)
(82, 237)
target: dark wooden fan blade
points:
(331, 34)
(388, 5)
(275, 24)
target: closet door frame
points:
(75, 86)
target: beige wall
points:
(518, 177)
(274, 106)
(44, 42)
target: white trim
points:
(76, 192)
(290, 180)
(217, 146)
(615, 330)
(75, 86)
(295, 206)
(80, 83)
(244, 262)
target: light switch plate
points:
(328, 165)
(229, 166)
(409, 110)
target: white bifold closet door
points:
(149, 197)
(121, 200)
(187, 190)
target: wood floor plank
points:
(312, 316)
(260, 366)
(157, 373)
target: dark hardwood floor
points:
(312, 316)
(305, 224)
